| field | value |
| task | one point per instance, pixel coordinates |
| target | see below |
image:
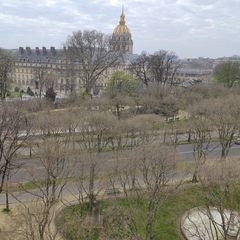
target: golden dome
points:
(122, 28)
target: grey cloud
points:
(182, 26)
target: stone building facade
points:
(28, 60)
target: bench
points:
(110, 191)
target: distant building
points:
(234, 58)
(45, 61)
(28, 58)
(195, 68)
(49, 62)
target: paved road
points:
(23, 174)
(186, 151)
(34, 166)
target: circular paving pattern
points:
(201, 223)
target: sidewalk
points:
(7, 218)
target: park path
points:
(6, 218)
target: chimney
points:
(37, 50)
(44, 50)
(52, 51)
(28, 50)
(20, 50)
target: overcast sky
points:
(190, 28)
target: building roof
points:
(52, 55)
(37, 55)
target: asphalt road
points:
(186, 151)
(33, 168)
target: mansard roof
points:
(53, 55)
(43, 55)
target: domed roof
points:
(122, 27)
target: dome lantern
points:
(122, 17)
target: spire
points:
(122, 17)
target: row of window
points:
(45, 66)
(34, 65)
(121, 38)
(63, 85)
(127, 48)
(36, 60)
(30, 71)
(19, 76)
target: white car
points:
(237, 141)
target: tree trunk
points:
(91, 190)
(118, 111)
(189, 136)
(195, 178)
(7, 200)
(223, 154)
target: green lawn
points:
(74, 224)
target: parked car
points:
(237, 141)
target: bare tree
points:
(14, 132)
(140, 68)
(95, 128)
(164, 66)
(50, 82)
(160, 67)
(170, 107)
(39, 77)
(201, 132)
(39, 211)
(7, 64)
(50, 122)
(173, 131)
(221, 110)
(134, 131)
(45, 82)
(224, 116)
(153, 166)
(88, 55)
(220, 187)
(121, 135)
